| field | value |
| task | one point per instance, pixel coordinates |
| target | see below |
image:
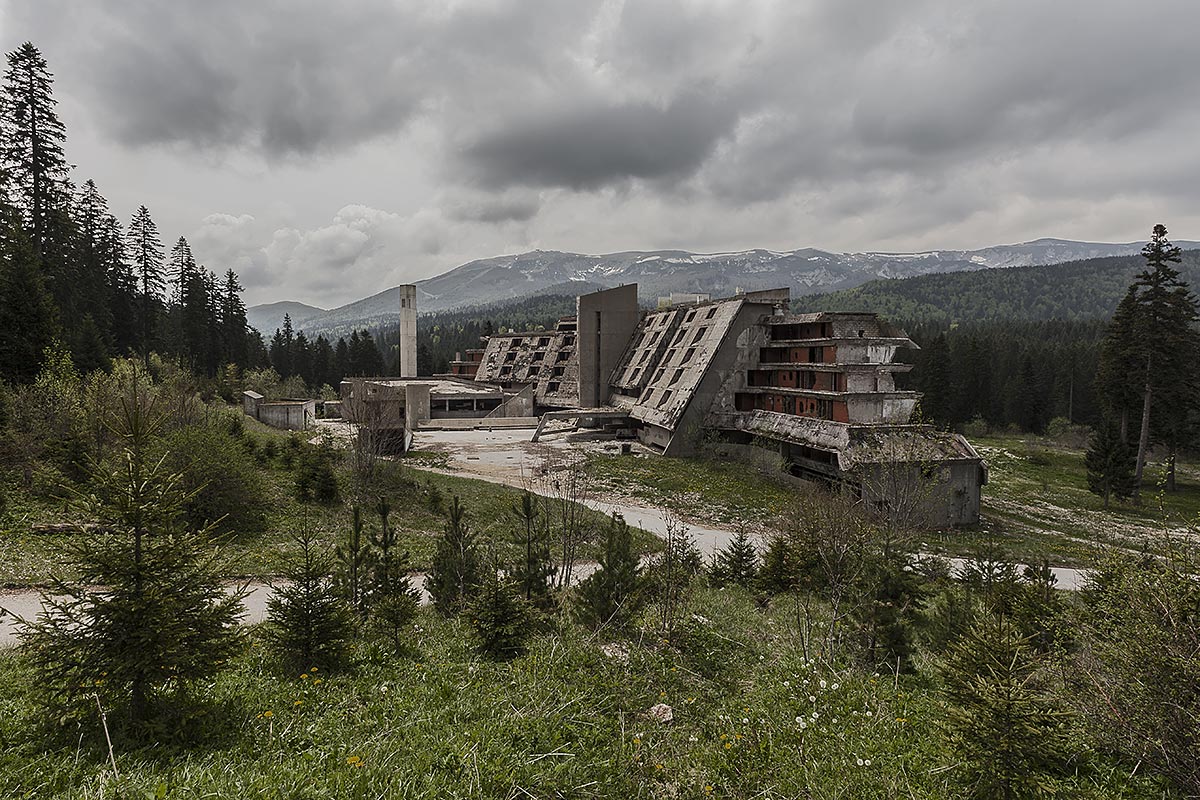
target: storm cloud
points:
(476, 126)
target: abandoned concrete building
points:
(292, 415)
(815, 392)
(817, 389)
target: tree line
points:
(70, 271)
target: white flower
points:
(815, 715)
(867, 762)
(799, 720)
(835, 686)
(859, 762)
(692, 738)
(745, 721)
(787, 684)
(812, 698)
(870, 713)
(823, 684)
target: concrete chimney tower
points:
(408, 331)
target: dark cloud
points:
(597, 145)
(481, 124)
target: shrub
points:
(613, 594)
(975, 428)
(316, 482)
(500, 618)
(391, 600)
(222, 483)
(164, 620)
(454, 573)
(310, 622)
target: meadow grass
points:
(31, 559)
(752, 717)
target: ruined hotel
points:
(816, 392)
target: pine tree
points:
(1119, 362)
(91, 222)
(1110, 465)
(500, 618)
(737, 563)
(164, 619)
(1001, 723)
(534, 570)
(454, 574)
(146, 255)
(354, 558)
(234, 346)
(311, 623)
(27, 315)
(33, 138)
(1168, 345)
(392, 599)
(779, 570)
(613, 594)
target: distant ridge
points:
(804, 271)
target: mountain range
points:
(805, 271)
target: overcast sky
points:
(329, 150)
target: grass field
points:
(751, 717)
(30, 559)
(1036, 504)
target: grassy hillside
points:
(1075, 290)
(754, 714)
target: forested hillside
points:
(1075, 290)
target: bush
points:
(500, 618)
(975, 428)
(316, 482)
(311, 624)
(454, 573)
(222, 482)
(737, 564)
(613, 594)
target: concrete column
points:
(408, 331)
(416, 405)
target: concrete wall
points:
(416, 405)
(408, 331)
(289, 416)
(924, 495)
(250, 403)
(606, 321)
(725, 368)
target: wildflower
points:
(834, 687)
(870, 713)
(859, 762)
(297, 704)
(692, 739)
(314, 669)
(787, 684)
(354, 761)
(823, 684)
(636, 740)
(745, 721)
(812, 698)
(866, 762)
(658, 766)
(304, 677)
(708, 789)
(318, 681)
(728, 745)
(268, 714)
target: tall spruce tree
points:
(92, 259)
(1167, 343)
(534, 570)
(33, 138)
(1110, 464)
(145, 252)
(391, 597)
(1119, 362)
(234, 346)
